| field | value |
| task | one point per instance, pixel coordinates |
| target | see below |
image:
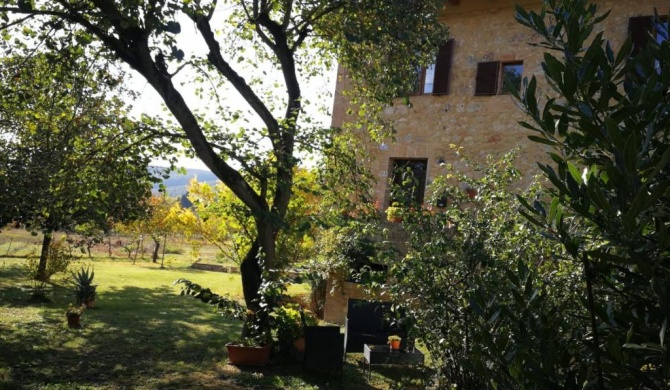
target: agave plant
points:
(84, 290)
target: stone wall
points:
(337, 296)
(483, 30)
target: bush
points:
(172, 250)
(486, 293)
(288, 326)
(608, 130)
(58, 260)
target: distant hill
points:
(176, 184)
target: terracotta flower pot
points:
(251, 356)
(299, 344)
(395, 345)
(73, 320)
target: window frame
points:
(501, 87)
(638, 29)
(489, 78)
(421, 181)
(442, 73)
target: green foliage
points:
(253, 147)
(73, 311)
(58, 260)
(344, 253)
(226, 305)
(255, 331)
(287, 324)
(483, 290)
(394, 213)
(608, 126)
(84, 290)
(71, 154)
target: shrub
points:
(288, 326)
(487, 295)
(607, 127)
(58, 260)
(174, 250)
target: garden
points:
(556, 282)
(141, 333)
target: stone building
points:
(462, 100)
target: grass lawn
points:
(143, 335)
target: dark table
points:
(382, 354)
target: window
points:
(435, 78)
(495, 77)
(408, 181)
(511, 77)
(639, 28)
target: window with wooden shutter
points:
(487, 78)
(442, 77)
(639, 28)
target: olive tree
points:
(607, 122)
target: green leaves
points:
(609, 183)
(26, 5)
(74, 158)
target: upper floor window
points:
(495, 77)
(435, 79)
(639, 28)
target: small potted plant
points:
(394, 212)
(394, 342)
(288, 324)
(73, 314)
(84, 290)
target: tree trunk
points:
(44, 255)
(250, 271)
(157, 245)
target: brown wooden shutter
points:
(639, 28)
(441, 83)
(487, 78)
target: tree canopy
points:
(71, 155)
(378, 41)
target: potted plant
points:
(288, 325)
(394, 212)
(73, 314)
(394, 342)
(253, 349)
(84, 290)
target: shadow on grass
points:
(138, 337)
(134, 337)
